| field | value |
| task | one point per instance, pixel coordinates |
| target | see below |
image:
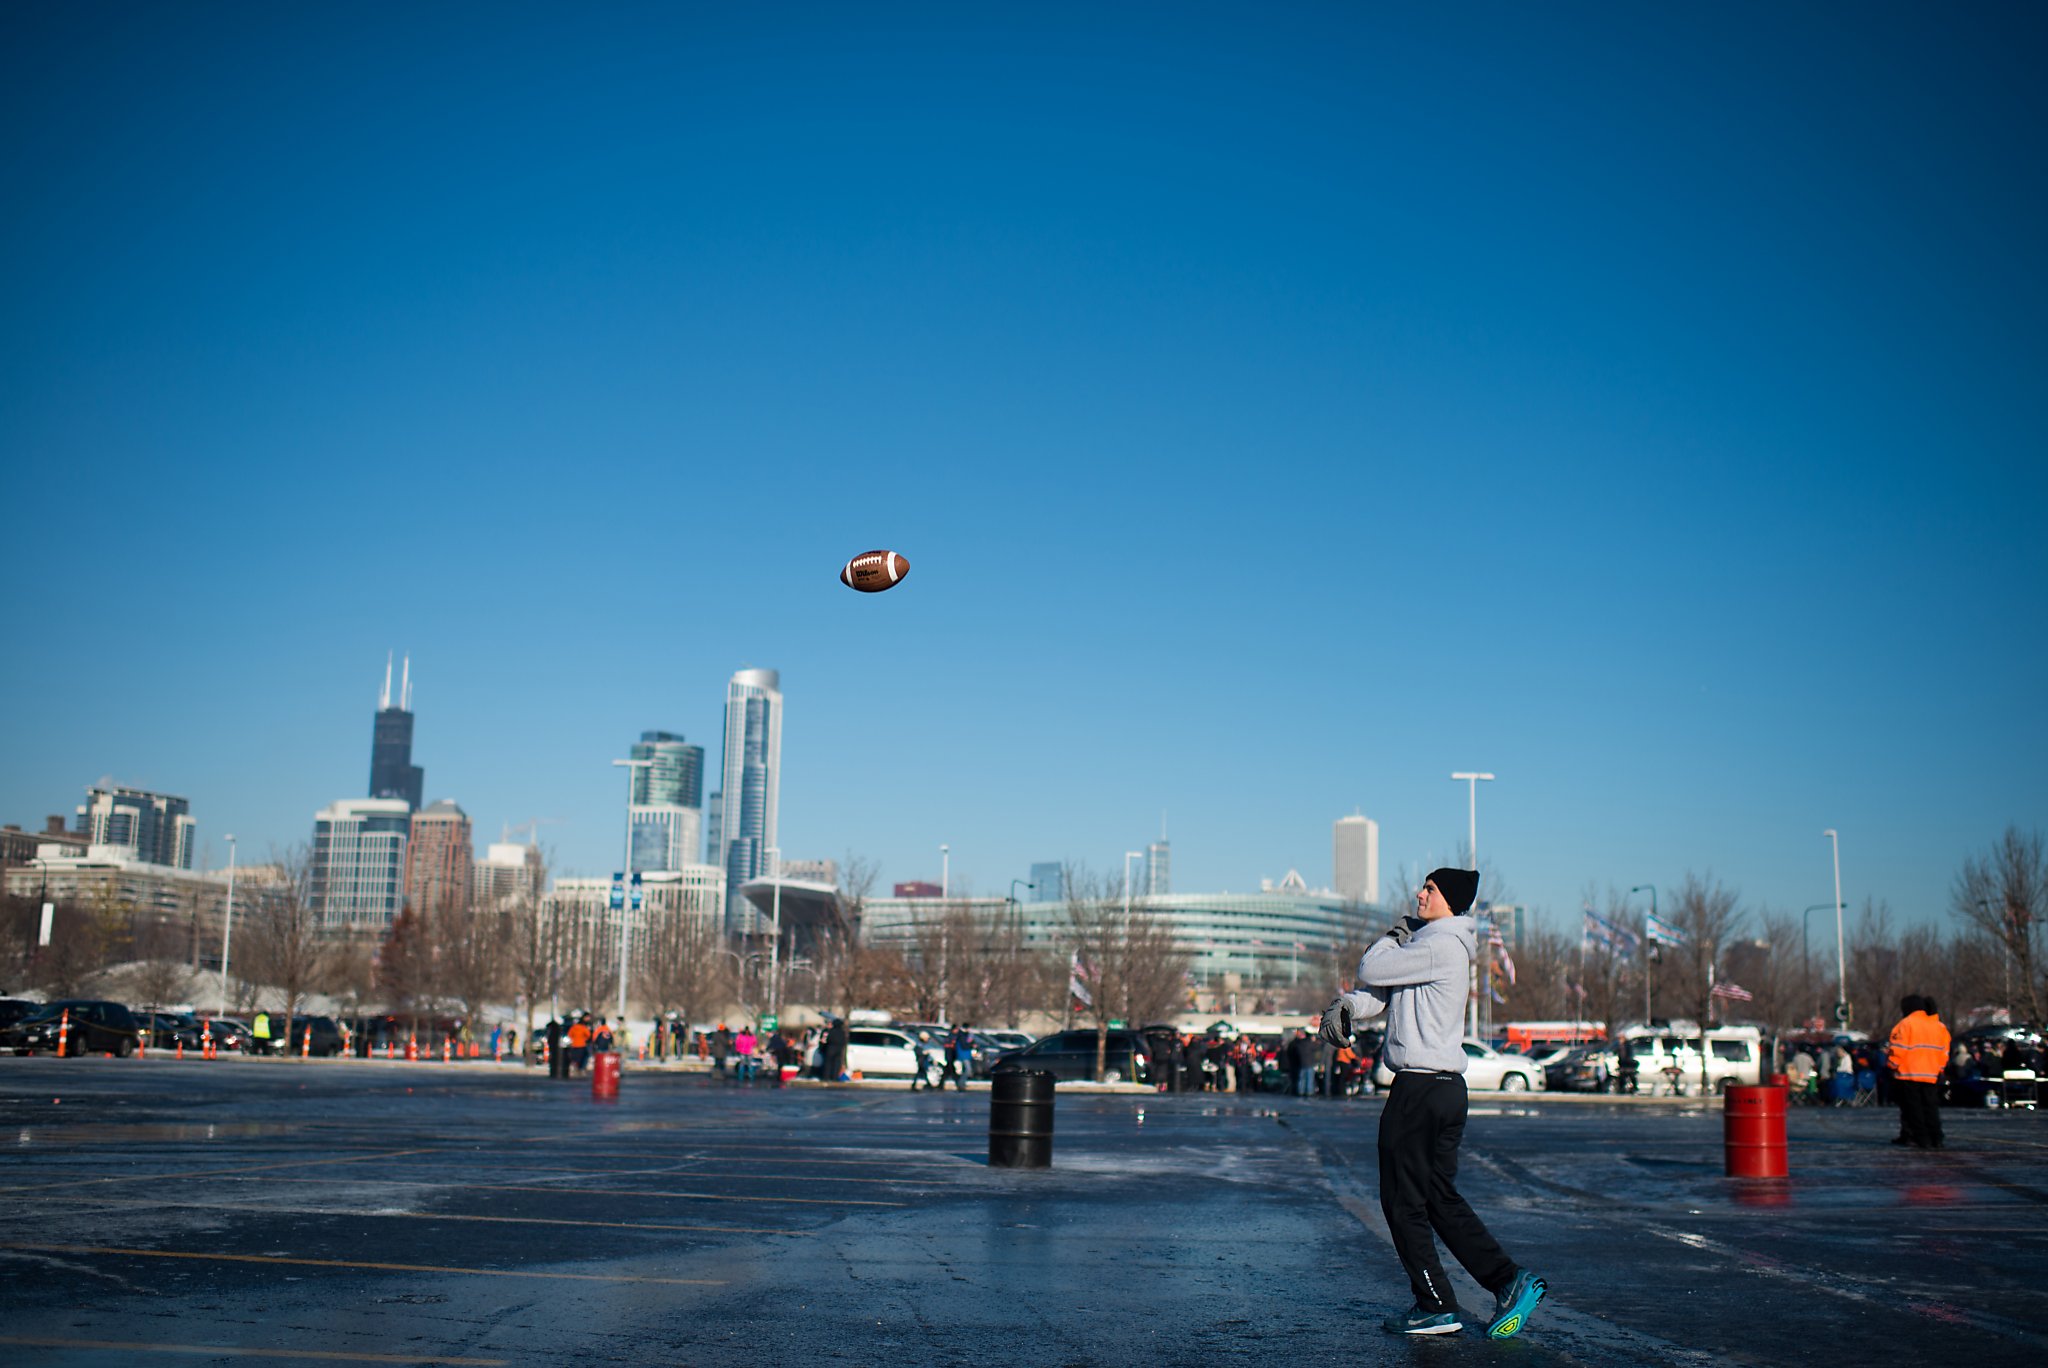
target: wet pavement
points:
(342, 1212)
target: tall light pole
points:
(1646, 948)
(945, 871)
(945, 925)
(775, 934)
(1471, 779)
(626, 907)
(1129, 855)
(1805, 957)
(1841, 960)
(227, 926)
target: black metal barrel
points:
(1020, 1119)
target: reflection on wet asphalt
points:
(348, 1212)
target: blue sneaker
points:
(1514, 1305)
(1420, 1322)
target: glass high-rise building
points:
(1158, 869)
(1048, 882)
(676, 778)
(358, 881)
(158, 827)
(1356, 858)
(751, 776)
(392, 772)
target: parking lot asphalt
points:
(347, 1212)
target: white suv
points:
(885, 1052)
(1734, 1055)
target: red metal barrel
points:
(604, 1079)
(1754, 1120)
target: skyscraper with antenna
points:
(392, 772)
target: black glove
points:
(1336, 1024)
(1402, 930)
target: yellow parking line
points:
(156, 1203)
(238, 1351)
(353, 1263)
(211, 1173)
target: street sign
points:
(770, 1022)
(1842, 1013)
(618, 891)
(636, 890)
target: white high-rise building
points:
(1158, 869)
(507, 872)
(1357, 858)
(358, 879)
(665, 835)
(752, 775)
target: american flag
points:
(1734, 992)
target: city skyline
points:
(1283, 412)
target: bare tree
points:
(469, 954)
(79, 935)
(405, 965)
(2003, 893)
(1705, 914)
(284, 932)
(685, 970)
(533, 946)
(1133, 970)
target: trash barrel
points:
(1754, 1122)
(604, 1075)
(1020, 1119)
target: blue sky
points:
(1280, 410)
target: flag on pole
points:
(1661, 932)
(1507, 966)
(1734, 992)
(1077, 981)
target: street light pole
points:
(227, 926)
(1841, 960)
(1646, 949)
(945, 924)
(1805, 955)
(775, 934)
(1471, 779)
(626, 907)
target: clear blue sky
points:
(1280, 408)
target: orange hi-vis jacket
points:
(1919, 1048)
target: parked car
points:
(887, 1052)
(93, 1027)
(164, 1027)
(1486, 1070)
(1001, 1041)
(14, 1009)
(1734, 1055)
(1071, 1055)
(326, 1036)
(227, 1033)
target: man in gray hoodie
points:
(1419, 973)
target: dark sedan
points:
(80, 1025)
(1071, 1054)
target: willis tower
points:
(392, 772)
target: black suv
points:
(1071, 1054)
(326, 1036)
(95, 1027)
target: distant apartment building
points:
(152, 911)
(1356, 857)
(156, 828)
(358, 876)
(750, 789)
(438, 858)
(589, 926)
(21, 847)
(392, 772)
(1158, 869)
(1048, 882)
(714, 830)
(667, 810)
(507, 873)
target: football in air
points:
(873, 571)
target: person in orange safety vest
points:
(1918, 1053)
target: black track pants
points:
(1419, 1133)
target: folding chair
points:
(2020, 1088)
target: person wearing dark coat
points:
(835, 1051)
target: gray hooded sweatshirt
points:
(1425, 984)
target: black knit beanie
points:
(1459, 887)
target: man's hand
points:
(1336, 1024)
(1401, 931)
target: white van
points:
(1734, 1056)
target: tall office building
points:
(392, 772)
(1357, 858)
(714, 831)
(667, 815)
(358, 881)
(156, 826)
(507, 872)
(751, 782)
(1048, 882)
(1158, 869)
(438, 858)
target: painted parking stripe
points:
(278, 1259)
(240, 1351)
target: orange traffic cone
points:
(64, 1033)
(412, 1047)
